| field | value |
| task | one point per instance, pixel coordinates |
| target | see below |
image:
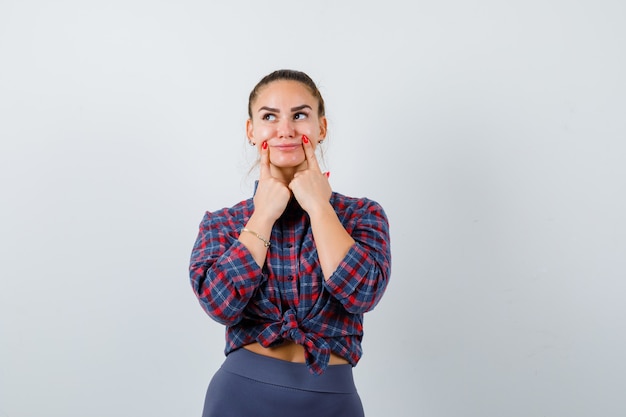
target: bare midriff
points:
(290, 352)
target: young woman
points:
(291, 270)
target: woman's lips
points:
(287, 148)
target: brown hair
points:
(291, 75)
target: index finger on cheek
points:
(264, 162)
(309, 152)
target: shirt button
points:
(290, 277)
(289, 245)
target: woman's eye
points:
(300, 116)
(269, 117)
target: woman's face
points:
(282, 112)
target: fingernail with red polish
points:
(305, 139)
(327, 173)
(264, 145)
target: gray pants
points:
(253, 385)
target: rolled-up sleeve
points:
(223, 273)
(361, 278)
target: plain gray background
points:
(492, 133)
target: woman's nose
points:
(285, 128)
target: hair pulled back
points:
(290, 75)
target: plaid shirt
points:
(289, 299)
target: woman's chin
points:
(287, 162)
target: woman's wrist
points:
(260, 223)
(321, 211)
(265, 241)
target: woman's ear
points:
(249, 131)
(323, 127)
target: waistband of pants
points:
(336, 378)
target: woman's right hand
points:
(270, 200)
(272, 195)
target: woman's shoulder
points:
(342, 202)
(241, 210)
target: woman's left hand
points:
(310, 186)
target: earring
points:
(320, 141)
(251, 143)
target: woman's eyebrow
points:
(304, 106)
(293, 109)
